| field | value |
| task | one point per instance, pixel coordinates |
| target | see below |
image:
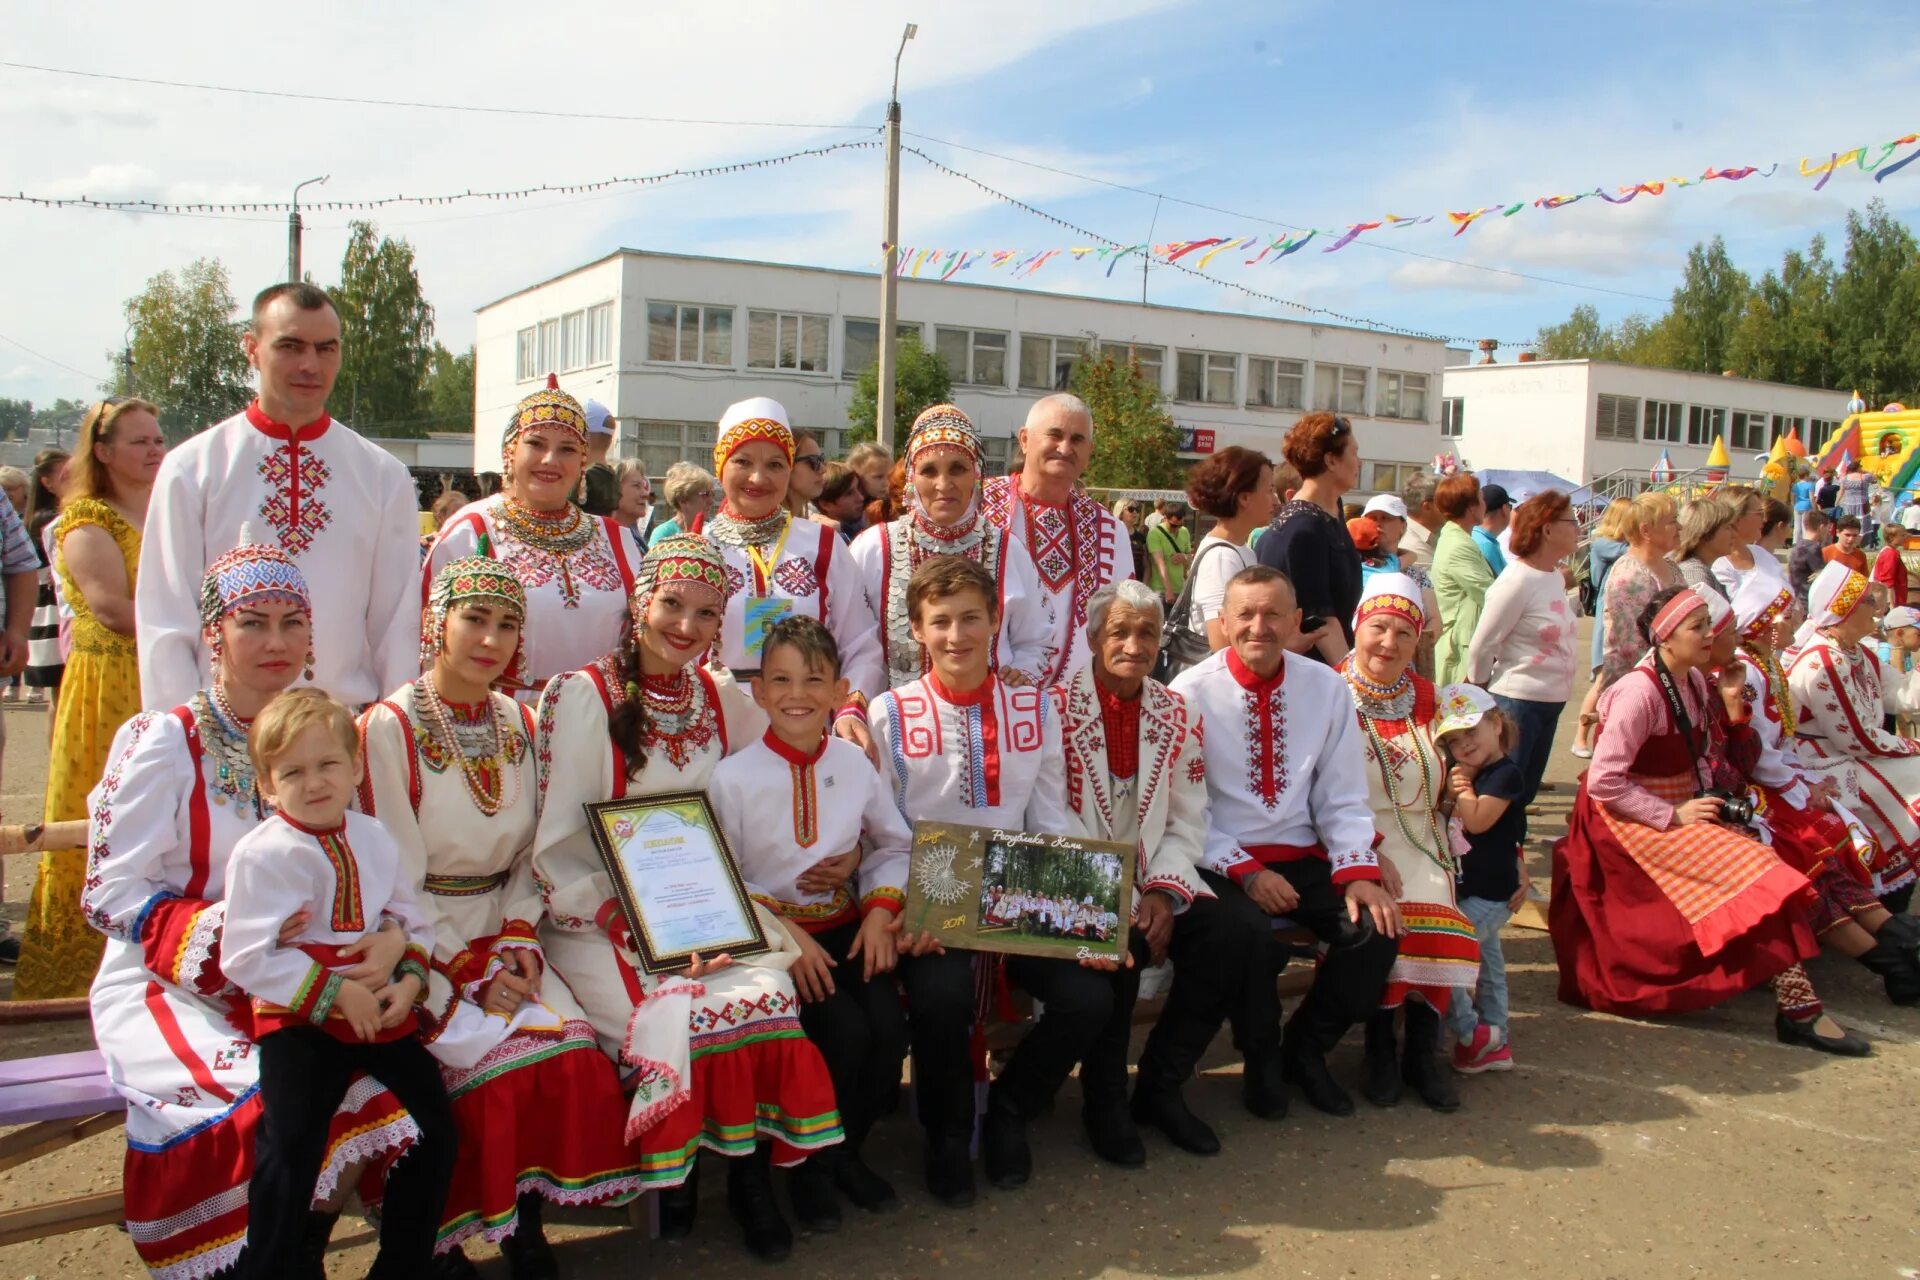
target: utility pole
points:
(293, 230)
(889, 283)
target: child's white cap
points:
(1461, 706)
(1900, 616)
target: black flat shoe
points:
(528, 1255)
(1309, 1072)
(750, 1199)
(857, 1181)
(1844, 1045)
(1004, 1152)
(1263, 1086)
(453, 1265)
(1168, 1112)
(950, 1172)
(1113, 1135)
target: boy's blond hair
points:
(287, 716)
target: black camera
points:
(1737, 807)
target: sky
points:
(1286, 112)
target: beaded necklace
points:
(558, 533)
(483, 751)
(1778, 687)
(677, 715)
(1397, 704)
(1381, 701)
(223, 739)
(730, 530)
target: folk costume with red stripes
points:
(456, 787)
(720, 1061)
(177, 796)
(1076, 547)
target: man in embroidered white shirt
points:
(1288, 825)
(286, 474)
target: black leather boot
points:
(1898, 967)
(1004, 1152)
(856, 1180)
(810, 1188)
(750, 1197)
(313, 1246)
(1421, 1068)
(1304, 1058)
(677, 1206)
(1263, 1084)
(949, 1169)
(528, 1255)
(1166, 1110)
(1382, 1085)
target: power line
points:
(421, 106)
(1280, 222)
(58, 364)
(1358, 321)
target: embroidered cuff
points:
(516, 935)
(471, 989)
(853, 711)
(414, 967)
(180, 942)
(1244, 868)
(1358, 864)
(1174, 889)
(885, 896)
(314, 1000)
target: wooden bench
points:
(59, 1099)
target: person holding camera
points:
(1659, 905)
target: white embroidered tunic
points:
(1076, 548)
(1838, 694)
(806, 572)
(1285, 767)
(344, 509)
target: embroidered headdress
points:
(1395, 594)
(250, 574)
(1719, 612)
(942, 426)
(758, 418)
(1675, 611)
(1834, 594)
(1760, 602)
(685, 558)
(551, 407)
(477, 580)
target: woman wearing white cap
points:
(1658, 907)
(780, 567)
(943, 518)
(1836, 684)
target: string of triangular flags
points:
(945, 264)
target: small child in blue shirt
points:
(1484, 783)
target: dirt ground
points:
(1616, 1148)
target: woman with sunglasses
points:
(97, 556)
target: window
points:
(786, 340)
(573, 339)
(1660, 420)
(1749, 432)
(1819, 431)
(975, 357)
(1152, 360)
(686, 333)
(1047, 364)
(1704, 422)
(1339, 388)
(1276, 384)
(860, 349)
(1453, 417)
(525, 367)
(1617, 418)
(1205, 377)
(600, 334)
(993, 454)
(661, 444)
(1401, 395)
(548, 357)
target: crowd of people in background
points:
(278, 683)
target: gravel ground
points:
(1692, 1147)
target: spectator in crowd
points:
(635, 508)
(1423, 519)
(1804, 486)
(1522, 651)
(1827, 498)
(1235, 487)
(1747, 555)
(1706, 536)
(689, 492)
(1846, 547)
(18, 487)
(1286, 486)
(1169, 545)
(111, 477)
(1776, 530)
(871, 461)
(809, 474)
(842, 502)
(1652, 530)
(1608, 544)
(444, 508)
(1159, 514)
(1493, 523)
(599, 485)
(1808, 554)
(1461, 575)
(1308, 540)
(46, 651)
(1890, 567)
(1129, 512)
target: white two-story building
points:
(667, 342)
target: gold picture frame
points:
(1020, 893)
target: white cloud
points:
(1421, 273)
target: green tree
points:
(1876, 307)
(1580, 336)
(1707, 308)
(386, 336)
(1136, 445)
(15, 417)
(1784, 335)
(187, 356)
(920, 379)
(61, 418)
(449, 390)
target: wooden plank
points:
(105, 1209)
(49, 1136)
(15, 1011)
(52, 1066)
(34, 837)
(58, 1100)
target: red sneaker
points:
(1487, 1051)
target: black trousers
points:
(1223, 966)
(860, 1031)
(304, 1074)
(940, 1001)
(1085, 1018)
(1354, 969)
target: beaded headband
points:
(1676, 611)
(1770, 614)
(750, 420)
(942, 426)
(549, 408)
(684, 559)
(1392, 602)
(479, 580)
(252, 573)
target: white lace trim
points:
(202, 938)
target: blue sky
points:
(1304, 112)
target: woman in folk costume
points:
(576, 569)
(1657, 907)
(178, 794)
(1835, 682)
(777, 566)
(715, 1054)
(943, 519)
(1406, 781)
(450, 774)
(1806, 822)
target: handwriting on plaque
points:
(955, 923)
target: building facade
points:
(667, 342)
(1584, 419)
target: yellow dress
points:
(59, 952)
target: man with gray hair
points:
(1077, 545)
(1423, 519)
(1136, 773)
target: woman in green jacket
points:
(1461, 575)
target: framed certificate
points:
(675, 878)
(986, 889)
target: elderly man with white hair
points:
(1077, 545)
(1136, 773)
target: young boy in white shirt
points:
(835, 803)
(316, 1027)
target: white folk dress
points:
(344, 509)
(576, 597)
(1838, 695)
(716, 1062)
(175, 1033)
(472, 875)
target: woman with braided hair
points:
(715, 1054)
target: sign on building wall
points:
(1196, 439)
